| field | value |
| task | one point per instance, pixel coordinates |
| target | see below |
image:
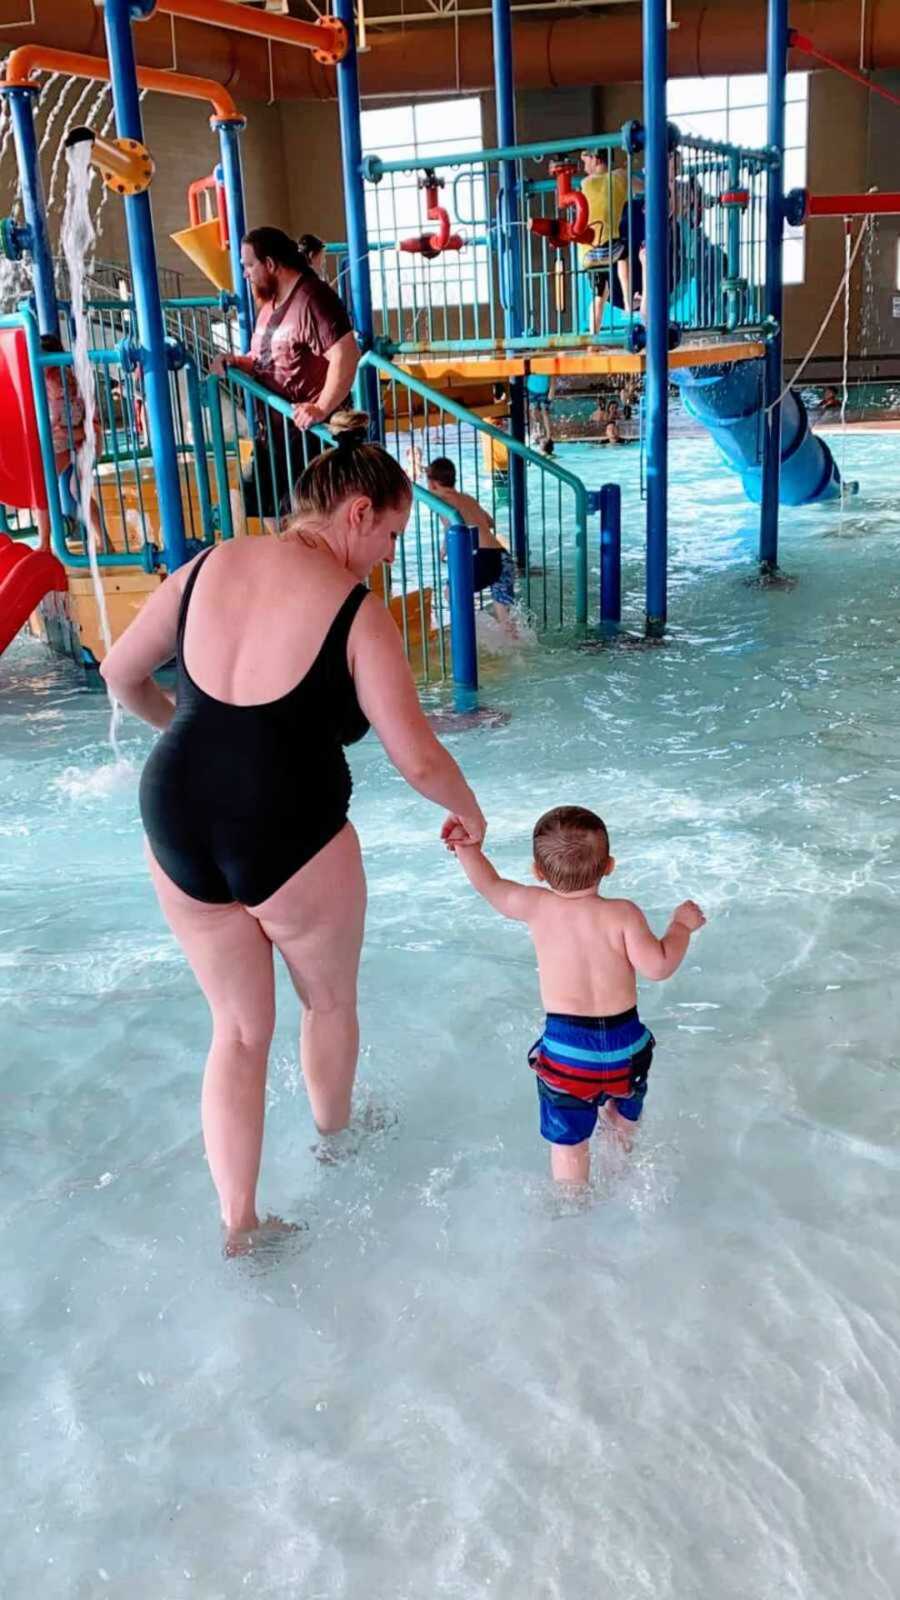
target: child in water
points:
(497, 570)
(594, 1052)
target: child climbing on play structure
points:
(67, 418)
(494, 566)
(594, 1051)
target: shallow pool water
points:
(452, 1381)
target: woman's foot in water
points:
(244, 1241)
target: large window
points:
(734, 109)
(395, 207)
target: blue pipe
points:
(201, 465)
(610, 555)
(656, 292)
(355, 211)
(733, 297)
(233, 179)
(117, 16)
(461, 542)
(772, 444)
(21, 107)
(728, 401)
(220, 456)
(510, 248)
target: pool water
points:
(453, 1381)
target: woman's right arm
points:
(147, 643)
(387, 695)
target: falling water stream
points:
(77, 239)
(73, 114)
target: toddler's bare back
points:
(583, 963)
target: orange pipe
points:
(326, 38)
(206, 186)
(557, 49)
(31, 58)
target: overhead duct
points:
(563, 50)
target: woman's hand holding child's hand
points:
(463, 830)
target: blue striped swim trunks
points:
(581, 1062)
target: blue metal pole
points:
(117, 16)
(21, 107)
(233, 179)
(733, 307)
(355, 209)
(656, 291)
(201, 465)
(510, 246)
(776, 70)
(463, 651)
(610, 555)
(220, 457)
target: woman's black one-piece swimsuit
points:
(236, 799)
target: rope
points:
(842, 286)
(799, 41)
(862, 35)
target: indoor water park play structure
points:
(484, 272)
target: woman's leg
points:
(231, 959)
(316, 920)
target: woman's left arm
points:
(147, 643)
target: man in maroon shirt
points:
(304, 349)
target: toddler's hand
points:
(689, 915)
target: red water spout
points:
(432, 245)
(559, 230)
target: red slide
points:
(25, 577)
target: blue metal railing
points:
(554, 573)
(464, 299)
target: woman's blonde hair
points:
(354, 466)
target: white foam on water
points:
(495, 639)
(96, 783)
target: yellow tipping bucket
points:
(202, 244)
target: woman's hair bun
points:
(350, 429)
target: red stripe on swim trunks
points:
(584, 1085)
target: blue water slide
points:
(727, 400)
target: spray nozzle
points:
(79, 136)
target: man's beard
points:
(267, 290)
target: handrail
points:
(277, 402)
(33, 57)
(327, 38)
(543, 463)
(373, 167)
(763, 155)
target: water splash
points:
(96, 783)
(55, 106)
(77, 237)
(869, 331)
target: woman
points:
(283, 658)
(314, 250)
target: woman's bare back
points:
(258, 616)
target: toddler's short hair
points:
(441, 470)
(571, 847)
